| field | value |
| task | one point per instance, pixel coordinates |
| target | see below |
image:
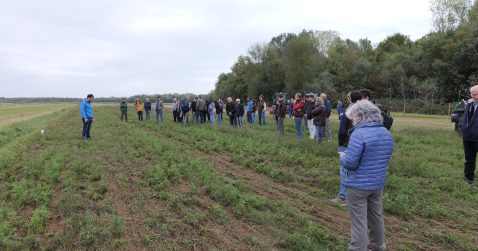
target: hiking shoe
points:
(339, 201)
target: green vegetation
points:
(416, 76)
(218, 188)
(11, 113)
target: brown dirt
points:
(319, 211)
(122, 199)
(56, 224)
(322, 211)
(230, 235)
(235, 233)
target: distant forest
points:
(425, 74)
(167, 98)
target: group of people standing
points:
(140, 107)
(201, 110)
(311, 110)
(235, 111)
(365, 145)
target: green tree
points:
(449, 14)
(301, 62)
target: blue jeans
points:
(238, 122)
(219, 118)
(200, 118)
(320, 133)
(86, 128)
(211, 118)
(159, 116)
(298, 126)
(343, 174)
(253, 118)
(262, 118)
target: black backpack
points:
(387, 119)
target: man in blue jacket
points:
(469, 132)
(86, 110)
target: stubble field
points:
(138, 186)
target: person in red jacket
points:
(298, 108)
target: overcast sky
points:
(68, 48)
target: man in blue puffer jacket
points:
(366, 160)
(86, 110)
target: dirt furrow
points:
(121, 199)
(235, 233)
(320, 211)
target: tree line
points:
(167, 98)
(435, 69)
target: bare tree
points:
(449, 14)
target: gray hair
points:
(320, 100)
(364, 110)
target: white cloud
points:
(123, 47)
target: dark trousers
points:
(200, 117)
(175, 116)
(86, 128)
(280, 125)
(470, 158)
(231, 120)
(249, 118)
(140, 116)
(148, 114)
(124, 114)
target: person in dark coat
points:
(343, 140)
(194, 110)
(469, 132)
(238, 114)
(147, 109)
(124, 109)
(318, 118)
(229, 110)
(280, 111)
(219, 110)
